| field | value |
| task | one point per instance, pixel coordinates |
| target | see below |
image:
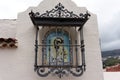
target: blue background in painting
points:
(51, 37)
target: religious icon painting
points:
(58, 51)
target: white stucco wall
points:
(8, 28)
(18, 64)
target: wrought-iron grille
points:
(60, 53)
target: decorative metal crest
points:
(60, 12)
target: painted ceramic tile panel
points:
(57, 53)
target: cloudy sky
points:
(108, 13)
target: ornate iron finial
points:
(31, 13)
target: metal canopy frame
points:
(60, 17)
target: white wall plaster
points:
(18, 64)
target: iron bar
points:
(58, 66)
(82, 49)
(63, 46)
(49, 53)
(76, 53)
(36, 48)
(60, 44)
(70, 48)
(42, 46)
(43, 53)
(63, 56)
(56, 49)
(76, 47)
(71, 54)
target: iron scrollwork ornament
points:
(60, 72)
(60, 12)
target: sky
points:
(108, 14)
